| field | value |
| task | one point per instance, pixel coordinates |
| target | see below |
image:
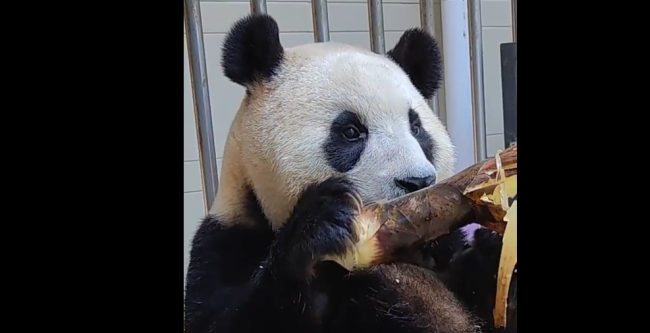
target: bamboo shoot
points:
(408, 221)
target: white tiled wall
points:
(348, 21)
(497, 29)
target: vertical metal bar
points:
(376, 22)
(428, 24)
(258, 6)
(478, 96)
(514, 20)
(201, 93)
(320, 21)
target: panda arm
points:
(231, 285)
(222, 260)
(276, 289)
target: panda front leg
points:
(284, 295)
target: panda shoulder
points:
(229, 230)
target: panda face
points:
(374, 132)
(385, 156)
(320, 110)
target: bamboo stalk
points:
(506, 267)
(403, 223)
(384, 227)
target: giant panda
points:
(319, 125)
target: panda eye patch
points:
(347, 127)
(415, 122)
(346, 141)
(351, 132)
(415, 128)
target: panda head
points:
(320, 110)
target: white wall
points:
(497, 29)
(348, 21)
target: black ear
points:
(418, 54)
(252, 50)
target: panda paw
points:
(320, 225)
(488, 243)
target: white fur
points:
(276, 140)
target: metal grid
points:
(199, 78)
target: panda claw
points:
(356, 200)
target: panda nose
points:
(413, 184)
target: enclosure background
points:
(348, 23)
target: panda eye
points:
(415, 129)
(351, 133)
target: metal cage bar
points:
(258, 6)
(376, 26)
(478, 89)
(320, 21)
(200, 87)
(201, 93)
(514, 20)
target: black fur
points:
(321, 224)
(221, 258)
(243, 278)
(444, 248)
(374, 302)
(341, 153)
(471, 271)
(423, 137)
(252, 51)
(418, 54)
